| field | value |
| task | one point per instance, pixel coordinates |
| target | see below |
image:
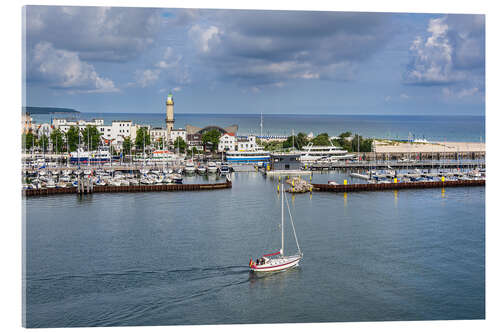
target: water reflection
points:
(273, 278)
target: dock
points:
(131, 188)
(396, 186)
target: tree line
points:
(345, 140)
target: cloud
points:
(170, 67)
(62, 69)
(460, 93)
(265, 48)
(404, 96)
(452, 52)
(95, 33)
(146, 77)
(205, 39)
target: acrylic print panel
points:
(195, 166)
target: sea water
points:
(170, 258)
(436, 128)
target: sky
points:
(111, 59)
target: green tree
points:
(322, 139)
(365, 145)
(192, 151)
(142, 138)
(302, 140)
(273, 145)
(180, 143)
(57, 139)
(211, 137)
(43, 142)
(72, 138)
(92, 136)
(28, 140)
(298, 141)
(127, 146)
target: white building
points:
(247, 143)
(65, 124)
(227, 142)
(176, 133)
(42, 129)
(158, 133)
(118, 131)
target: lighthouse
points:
(170, 114)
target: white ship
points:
(315, 153)
(247, 156)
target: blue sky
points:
(97, 59)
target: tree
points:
(127, 145)
(142, 138)
(273, 145)
(322, 139)
(302, 140)
(57, 139)
(192, 151)
(298, 141)
(211, 137)
(43, 142)
(180, 143)
(72, 138)
(92, 136)
(28, 140)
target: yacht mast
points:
(261, 124)
(282, 221)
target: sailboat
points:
(278, 261)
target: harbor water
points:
(169, 258)
(435, 128)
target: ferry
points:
(314, 153)
(94, 157)
(245, 156)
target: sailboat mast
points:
(261, 124)
(282, 221)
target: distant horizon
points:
(273, 114)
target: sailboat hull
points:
(277, 264)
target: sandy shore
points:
(434, 147)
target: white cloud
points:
(452, 52)
(206, 39)
(64, 70)
(147, 77)
(460, 93)
(404, 96)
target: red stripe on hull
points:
(272, 267)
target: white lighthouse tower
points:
(170, 114)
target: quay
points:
(422, 164)
(396, 186)
(130, 188)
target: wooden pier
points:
(396, 186)
(131, 188)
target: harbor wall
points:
(131, 188)
(396, 186)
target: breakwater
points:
(131, 188)
(396, 186)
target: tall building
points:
(170, 114)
